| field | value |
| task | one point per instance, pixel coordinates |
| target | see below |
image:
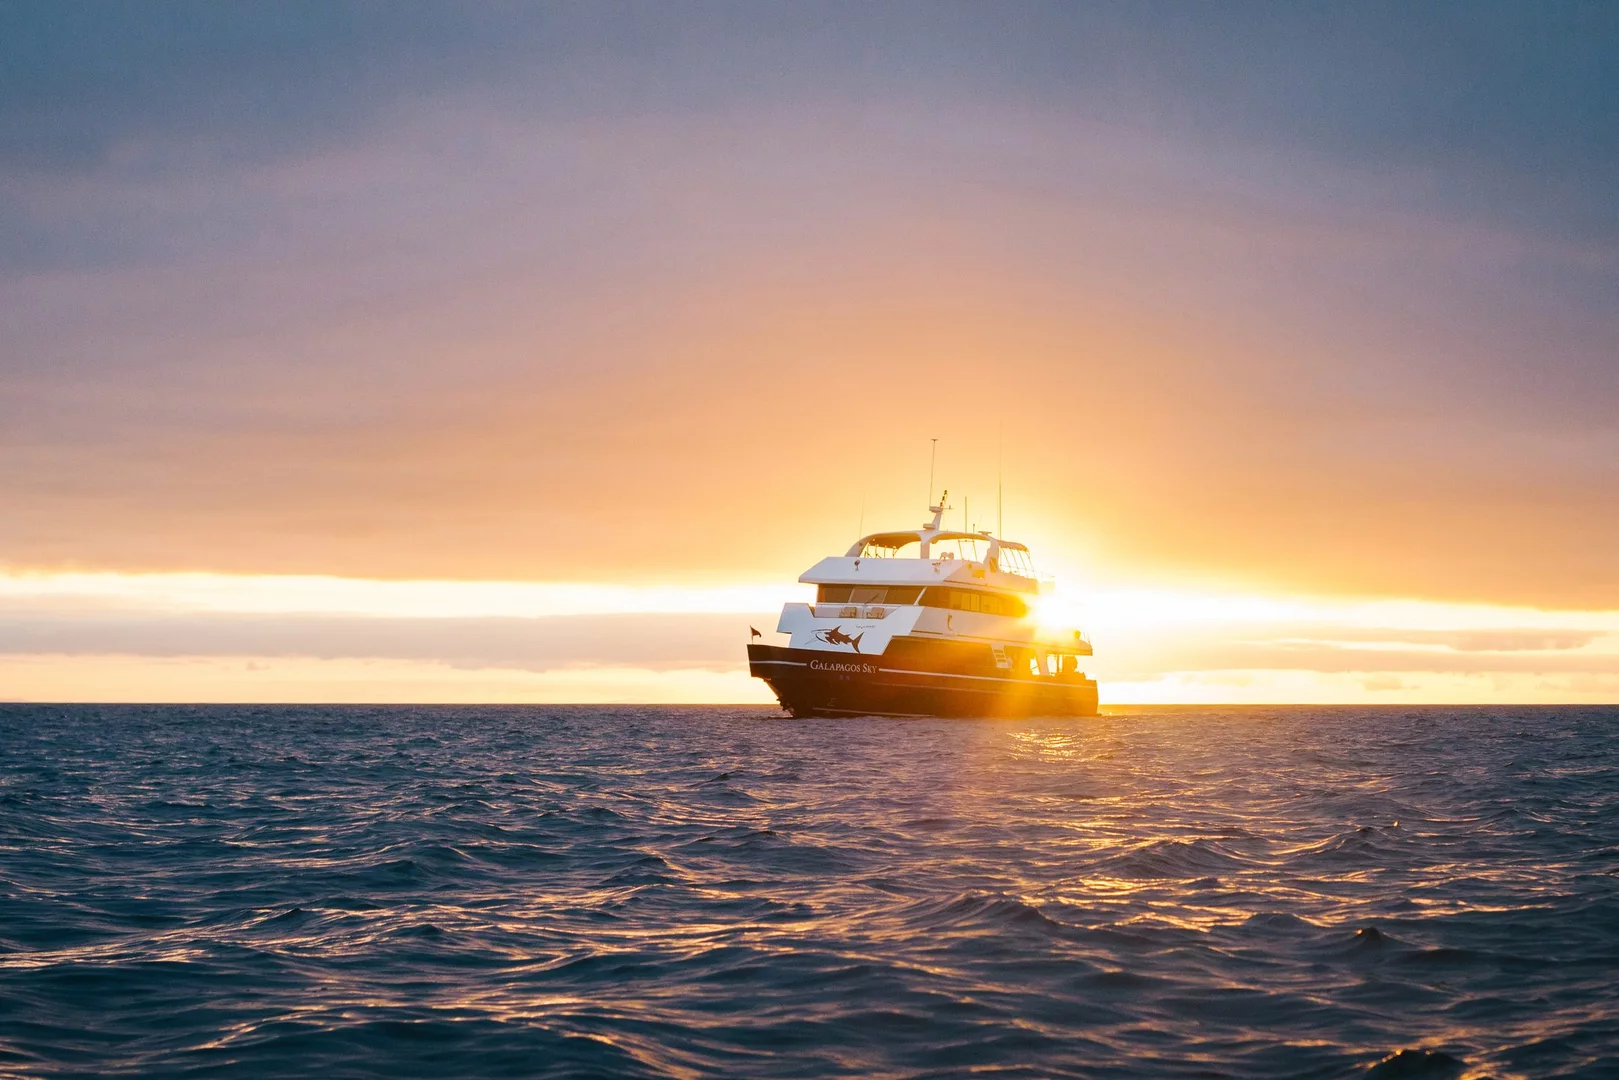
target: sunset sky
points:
(397, 352)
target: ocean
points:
(722, 892)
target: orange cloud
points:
(685, 369)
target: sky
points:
(513, 352)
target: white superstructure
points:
(931, 583)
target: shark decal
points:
(836, 636)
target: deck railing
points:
(853, 611)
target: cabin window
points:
(867, 594)
(1034, 664)
(995, 604)
(989, 603)
(1051, 663)
(890, 546)
(955, 547)
(1011, 560)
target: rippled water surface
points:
(722, 892)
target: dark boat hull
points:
(928, 679)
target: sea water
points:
(692, 892)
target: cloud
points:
(1482, 640)
(1510, 96)
(1381, 653)
(1349, 72)
(235, 679)
(667, 641)
(201, 637)
(651, 642)
(1319, 298)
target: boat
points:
(925, 622)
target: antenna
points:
(932, 460)
(1000, 449)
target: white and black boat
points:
(925, 622)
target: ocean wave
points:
(201, 891)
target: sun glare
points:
(1057, 613)
(1152, 644)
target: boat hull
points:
(814, 682)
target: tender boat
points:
(925, 622)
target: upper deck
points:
(937, 582)
(930, 555)
(857, 570)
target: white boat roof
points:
(844, 570)
(856, 567)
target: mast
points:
(932, 460)
(1000, 447)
